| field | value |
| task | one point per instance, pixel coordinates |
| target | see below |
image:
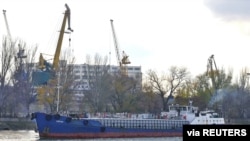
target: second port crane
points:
(122, 62)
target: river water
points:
(30, 135)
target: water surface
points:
(30, 135)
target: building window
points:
(76, 71)
(77, 77)
(137, 68)
(130, 68)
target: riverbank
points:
(17, 124)
(237, 121)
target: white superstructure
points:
(208, 117)
(191, 114)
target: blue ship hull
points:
(57, 126)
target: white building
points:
(83, 72)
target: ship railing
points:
(143, 124)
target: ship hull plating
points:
(57, 126)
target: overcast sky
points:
(156, 34)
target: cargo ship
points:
(169, 124)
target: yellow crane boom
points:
(42, 77)
(60, 39)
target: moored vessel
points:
(168, 125)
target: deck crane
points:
(41, 77)
(122, 62)
(7, 25)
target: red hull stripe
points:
(110, 135)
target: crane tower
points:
(122, 62)
(212, 71)
(41, 77)
(7, 25)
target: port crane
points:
(20, 54)
(212, 72)
(122, 62)
(41, 77)
(7, 25)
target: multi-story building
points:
(83, 73)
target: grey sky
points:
(230, 9)
(156, 34)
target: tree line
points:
(112, 92)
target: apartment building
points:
(83, 72)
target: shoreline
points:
(17, 124)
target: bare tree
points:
(201, 93)
(121, 90)
(7, 58)
(23, 88)
(66, 81)
(108, 91)
(56, 96)
(149, 101)
(166, 86)
(98, 80)
(157, 83)
(238, 97)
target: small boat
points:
(170, 124)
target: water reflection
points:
(20, 135)
(30, 135)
